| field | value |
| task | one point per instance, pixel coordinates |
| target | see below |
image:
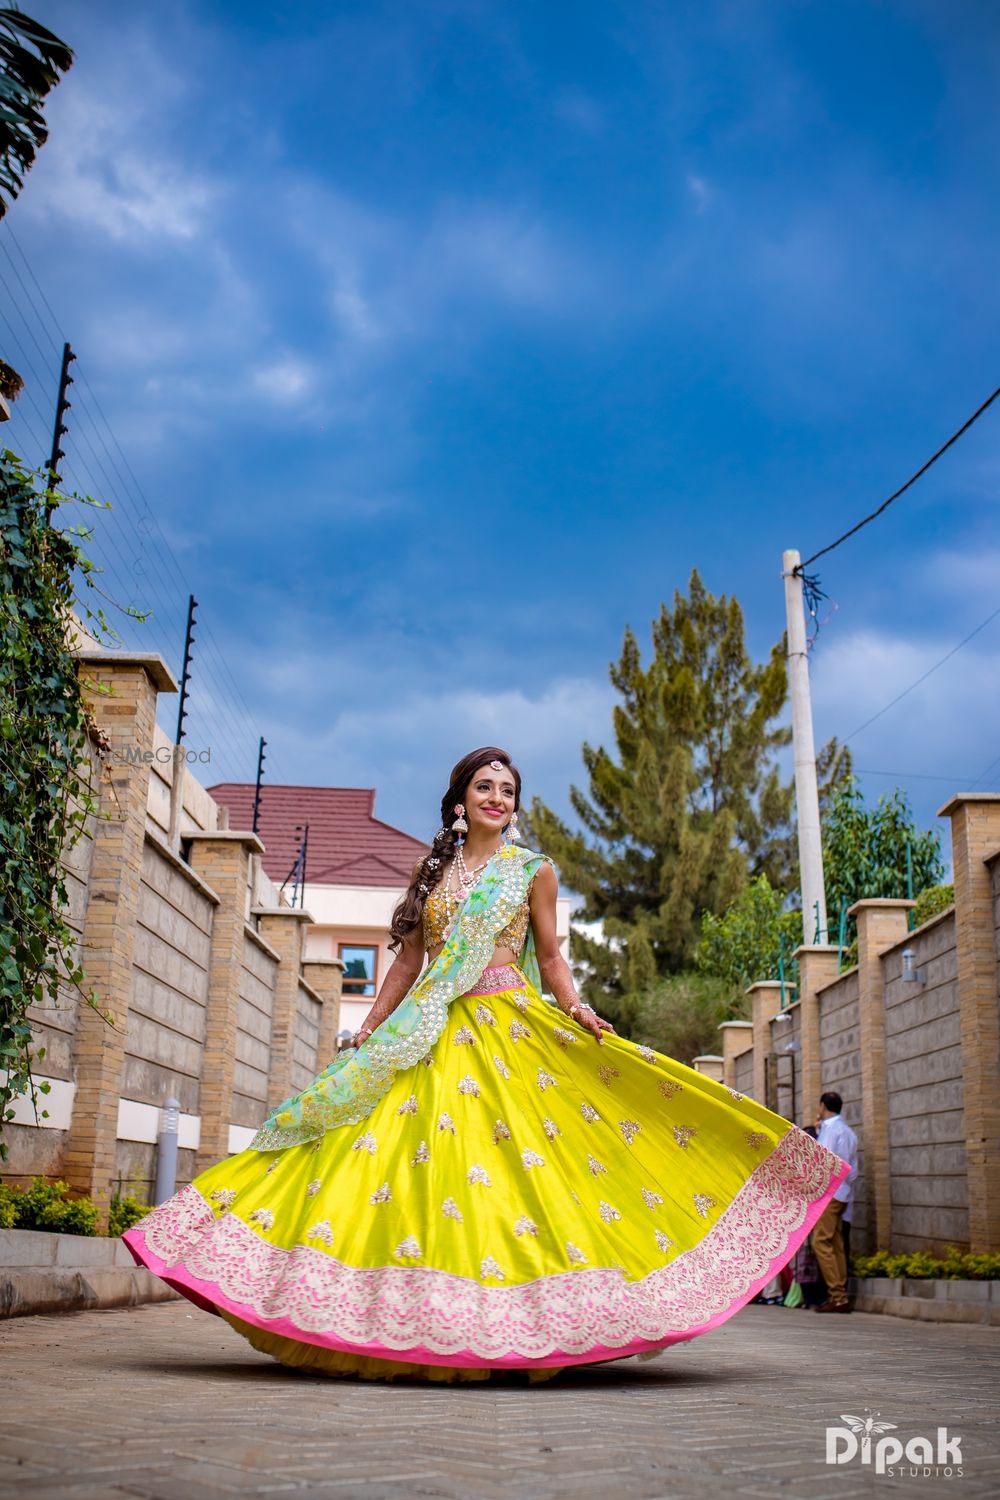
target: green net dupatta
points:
(346, 1091)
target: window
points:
(359, 969)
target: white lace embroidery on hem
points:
(405, 1307)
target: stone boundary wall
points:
(194, 953)
(910, 1039)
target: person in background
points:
(827, 1235)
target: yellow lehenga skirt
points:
(525, 1198)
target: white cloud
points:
(286, 381)
(100, 171)
(699, 190)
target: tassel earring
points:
(460, 826)
(510, 833)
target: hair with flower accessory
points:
(410, 909)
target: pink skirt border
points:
(208, 1296)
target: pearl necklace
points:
(453, 898)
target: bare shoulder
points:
(545, 880)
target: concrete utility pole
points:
(806, 791)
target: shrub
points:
(935, 899)
(124, 1212)
(955, 1265)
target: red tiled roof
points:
(348, 845)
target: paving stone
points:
(159, 1403)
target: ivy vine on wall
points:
(50, 749)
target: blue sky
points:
(443, 340)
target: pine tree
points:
(690, 809)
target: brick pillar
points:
(737, 1037)
(283, 928)
(817, 967)
(222, 859)
(710, 1064)
(765, 1002)
(120, 690)
(326, 975)
(881, 924)
(975, 835)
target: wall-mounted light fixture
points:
(911, 974)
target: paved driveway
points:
(167, 1403)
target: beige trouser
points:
(828, 1247)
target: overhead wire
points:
(866, 520)
(217, 688)
(923, 676)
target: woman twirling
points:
(490, 1178)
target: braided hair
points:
(427, 873)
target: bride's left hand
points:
(588, 1018)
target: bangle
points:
(580, 1005)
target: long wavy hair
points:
(410, 910)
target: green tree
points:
(680, 1015)
(689, 809)
(745, 943)
(865, 850)
(31, 60)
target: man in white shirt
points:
(827, 1235)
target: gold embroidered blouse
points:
(436, 923)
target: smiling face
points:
(490, 799)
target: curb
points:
(46, 1273)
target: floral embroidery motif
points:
(651, 1199)
(703, 1203)
(420, 1155)
(551, 1128)
(520, 1002)
(532, 1159)
(428, 1061)
(525, 1225)
(595, 1165)
(272, 1166)
(464, 1037)
(488, 1268)
(445, 1122)
(576, 1257)
(663, 1242)
(262, 1216)
(629, 1129)
(545, 1080)
(321, 1231)
(608, 1214)
(647, 1054)
(500, 1133)
(683, 1133)
(669, 1087)
(313, 1188)
(381, 1195)
(455, 1315)
(367, 1142)
(484, 1016)
(468, 1085)
(451, 1210)
(224, 1197)
(607, 1074)
(563, 1037)
(735, 1093)
(479, 1174)
(756, 1138)
(502, 1067)
(589, 1113)
(408, 1249)
(408, 1106)
(516, 1030)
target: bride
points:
(489, 1178)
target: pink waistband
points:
(499, 977)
